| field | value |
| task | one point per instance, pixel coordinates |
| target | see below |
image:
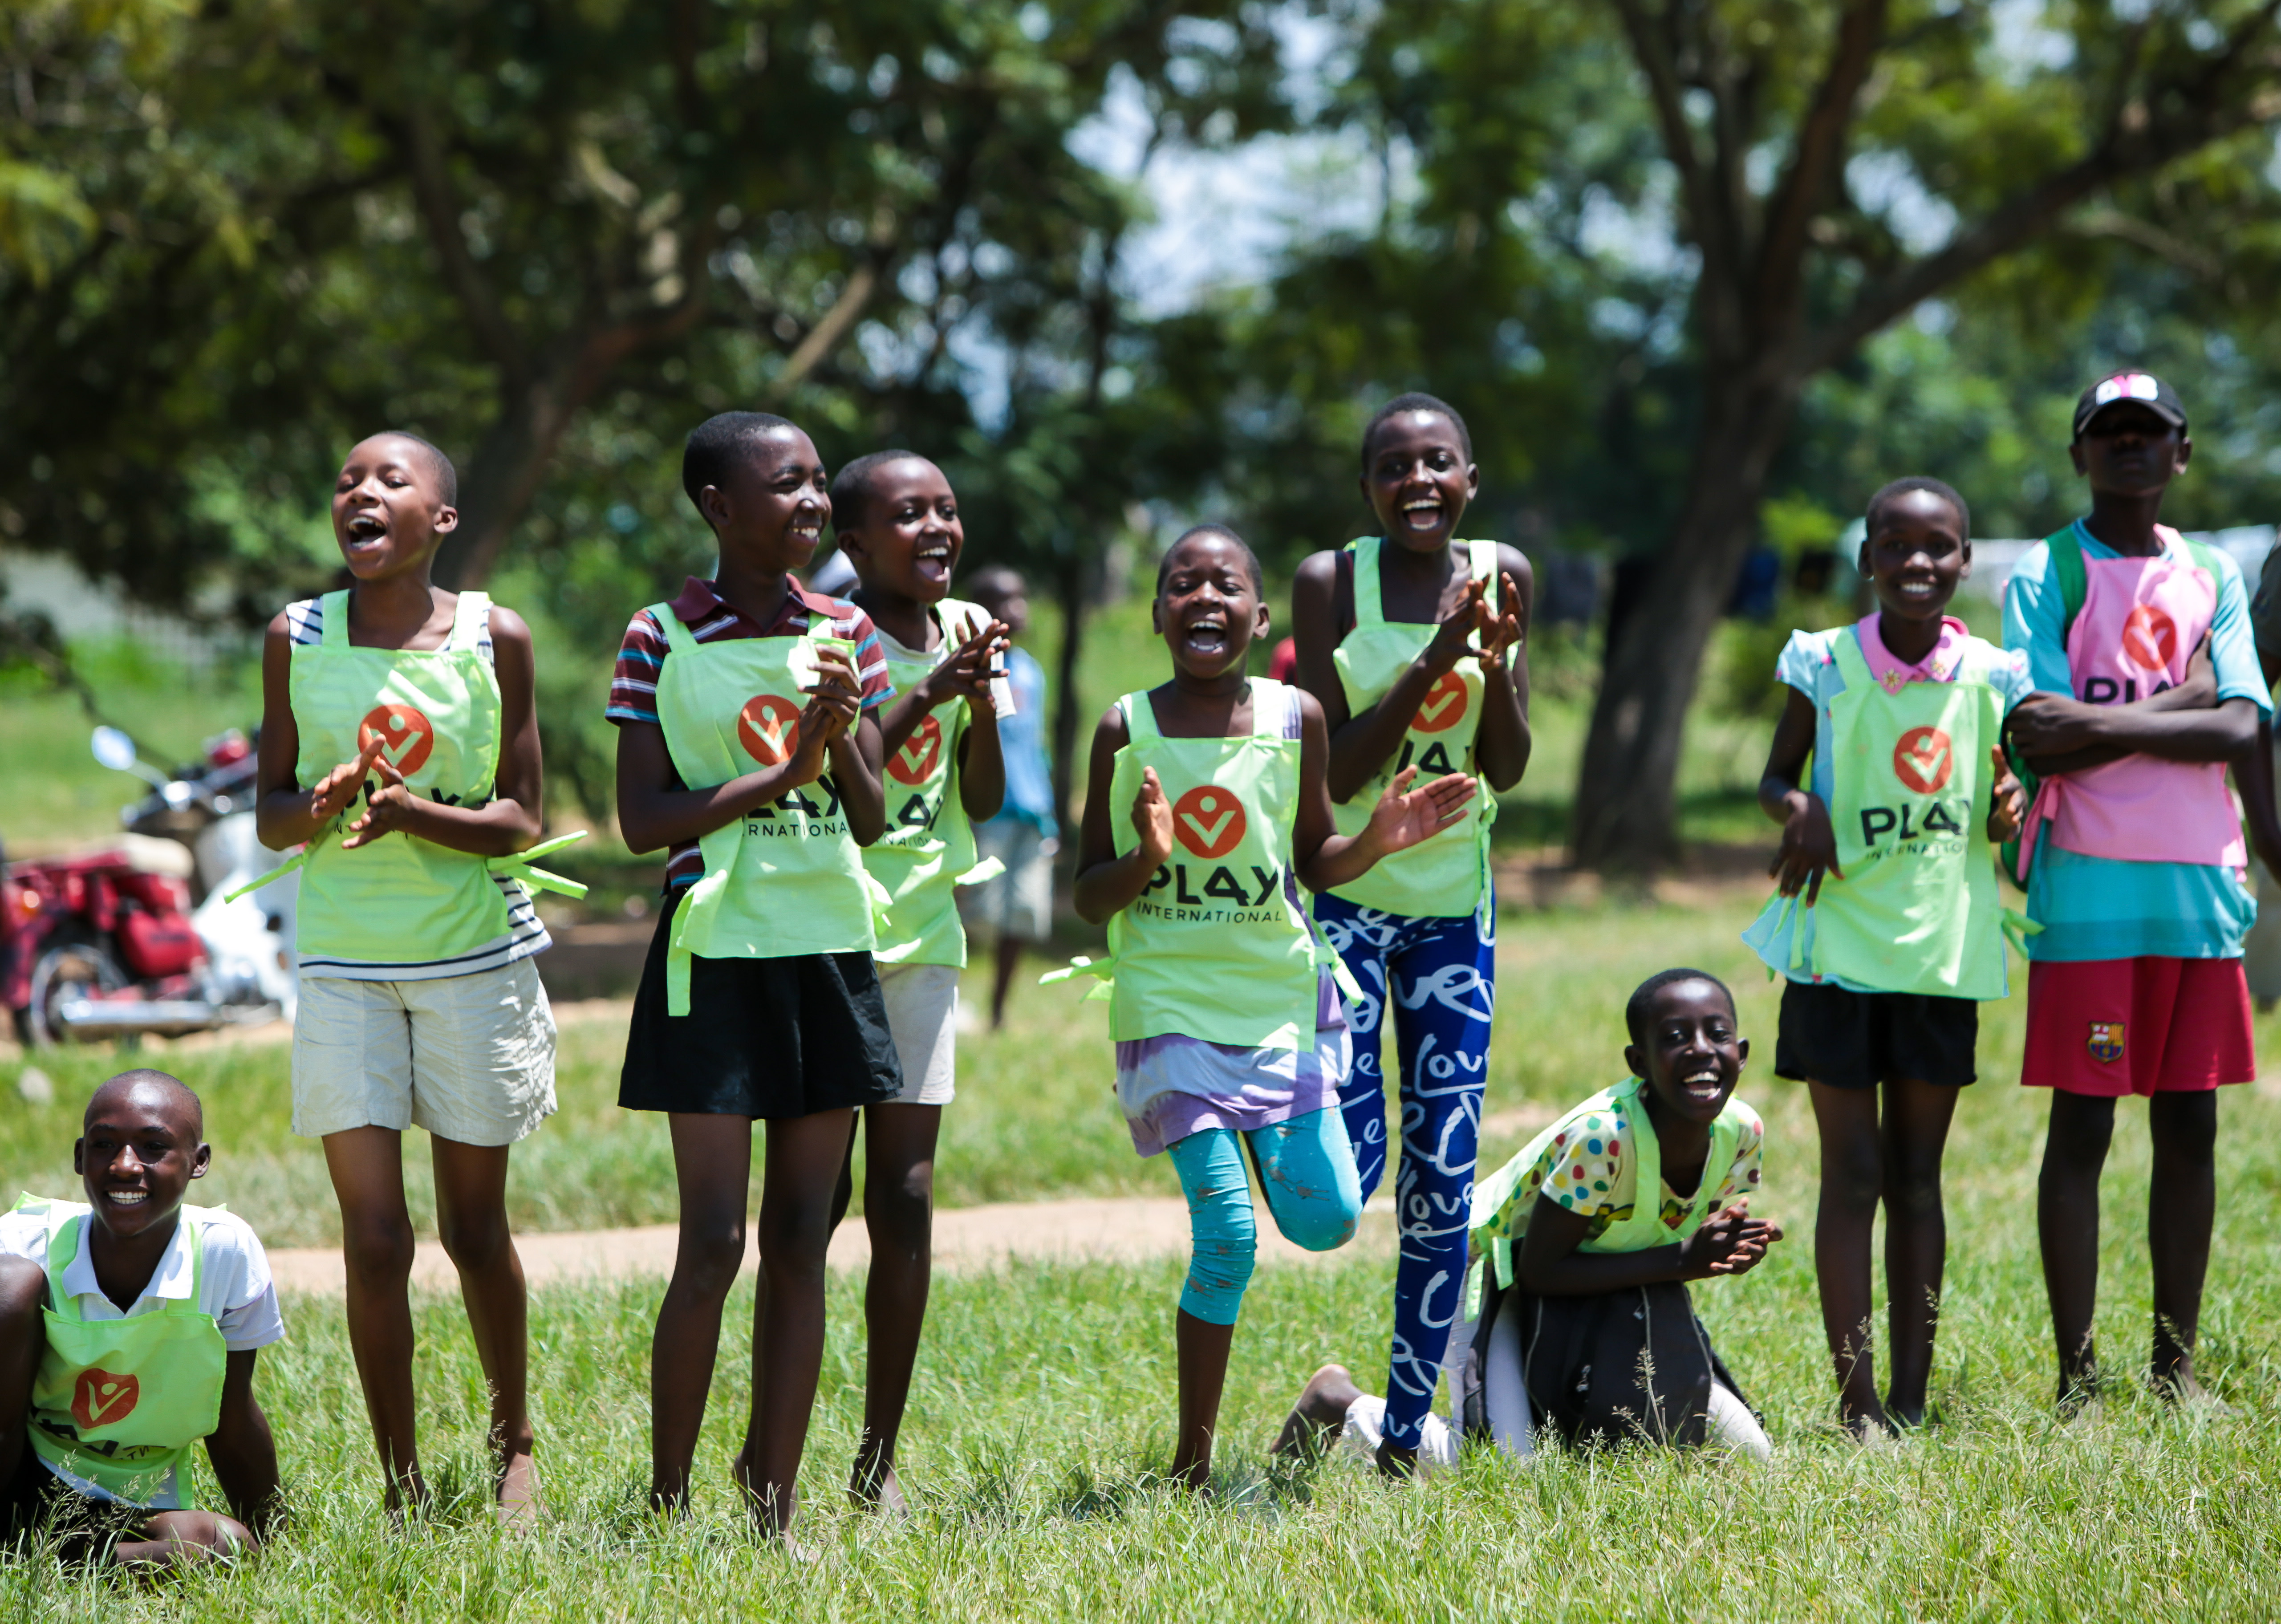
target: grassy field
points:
(1044, 1399)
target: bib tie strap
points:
(517, 866)
(704, 897)
(989, 868)
(297, 859)
(2017, 928)
(1103, 970)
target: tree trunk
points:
(1069, 590)
(1627, 818)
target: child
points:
(897, 523)
(1901, 930)
(759, 1000)
(1570, 1260)
(1225, 1025)
(128, 1330)
(419, 1000)
(1017, 905)
(2135, 983)
(1413, 646)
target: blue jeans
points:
(1439, 978)
(1308, 1172)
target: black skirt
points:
(1848, 1040)
(768, 1038)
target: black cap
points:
(2143, 387)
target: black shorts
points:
(1851, 1040)
(37, 1502)
(768, 1038)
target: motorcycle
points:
(142, 938)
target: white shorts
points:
(922, 1004)
(469, 1058)
(1019, 902)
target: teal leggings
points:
(1306, 1167)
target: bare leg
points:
(471, 1215)
(712, 1165)
(1009, 957)
(23, 1339)
(377, 1242)
(2067, 1221)
(2179, 1213)
(1917, 1116)
(1319, 1415)
(1852, 1182)
(1203, 1349)
(898, 1210)
(804, 1156)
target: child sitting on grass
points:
(1900, 933)
(1582, 1246)
(748, 742)
(128, 1330)
(1230, 1033)
(897, 522)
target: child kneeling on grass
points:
(1228, 1025)
(1582, 1246)
(128, 1330)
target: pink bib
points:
(2140, 620)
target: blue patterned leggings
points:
(1443, 977)
(1306, 1172)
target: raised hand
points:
(1457, 627)
(1502, 635)
(966, 673)
(1152, 817)
(1730, 1242)
(836, 699)
(1808, 850)
(2008, 800)
(386, 809)
(1403, 817)
(337, 789)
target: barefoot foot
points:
(515, 1496)
(873, 1486)
(772, 1507)
(1319, 1414)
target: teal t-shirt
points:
(2104, 908)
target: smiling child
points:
(1900, 930)
(1230, 1034)
(129, 1326)
(897, 522)
(419, 1003)
(1581, 1247)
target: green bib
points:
(928, 847)
(1498, 1213)
(1446, 875)
(1215, 948)
(783, 879)
(118, 1403)
(1917, 910)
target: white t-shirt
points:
(235, 1290)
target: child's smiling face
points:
(1916, 555)
(908, 543)
(1208, 609)
(138, 1150)
(1418, 480)
(388, 512)
(771, 512)
(1688, 1049)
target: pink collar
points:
(1940, 665)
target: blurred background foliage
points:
(234, 235)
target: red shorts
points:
(2112, 1027)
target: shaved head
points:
(180, 1100)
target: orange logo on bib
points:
(1923, 760)
(2150, 638)
(915, 761)
(1208, 820)
(406, 736)
(1443, 705)
(769, 728)
(99, 1399)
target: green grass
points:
(1043, 1407)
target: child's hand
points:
(836, 699)
(1503, 634)
(1730, 1242)
(1809, 849)
(384, 809)
(1152, 818)
(337, 789)
(966, 673)
(2198, 690)
(1458, 628)
(2008, 801)
(1403, 817)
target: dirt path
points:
(1112, 1229)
